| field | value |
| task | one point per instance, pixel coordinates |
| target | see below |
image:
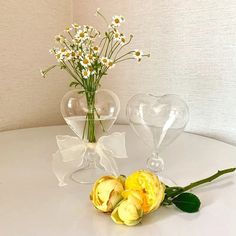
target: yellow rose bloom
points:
(151, 190)
(107, 192)
(129, 210)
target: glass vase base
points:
(87, 175)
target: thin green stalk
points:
(180, 190)
(209, 179)
(131, 36)
(103, 47)
(107, 46)
(116, 45)
(129, 58)
(103, 17)
(84, 127)
(71, 73)
(103, 129)
(124, 55)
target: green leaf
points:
(172, 190)
(73, 83)
(187, 202)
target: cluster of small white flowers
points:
(80, 51)
(107, 62)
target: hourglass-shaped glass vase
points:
(158, 121)
(90, 115)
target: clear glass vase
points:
(158, 121)
(90, 115)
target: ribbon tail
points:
(62, 169)
(59, 169)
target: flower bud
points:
(107, 193)
(129, 210)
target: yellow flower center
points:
(117, 21)
(85, 61)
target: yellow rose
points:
(107, 192)
(129, 211)
(149, 187)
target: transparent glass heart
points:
(158, 121)
(90, 115)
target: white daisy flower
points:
(110, 64)
(104, 60)
(85, 74)
(67, 55)
(137, 54)
(68, 29)
(85, 62)
(60, 38)
(117, 35)
(79, 54)
(81, 35)
(116, 21)
(96, 49)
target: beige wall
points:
(27, 29)
(193, 47)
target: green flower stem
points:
(172, 192)
(123, 56)
(103, 47)
(102, 126)
(125, 59)
(209, 179)
(130, 38)
(90, 117)
(71, 73)
(103, 17)
(113, 48)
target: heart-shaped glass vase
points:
(90, 115)
(158, 121)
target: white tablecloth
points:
(31, 203)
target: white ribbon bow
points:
(71, 152)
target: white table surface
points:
(31, 203)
